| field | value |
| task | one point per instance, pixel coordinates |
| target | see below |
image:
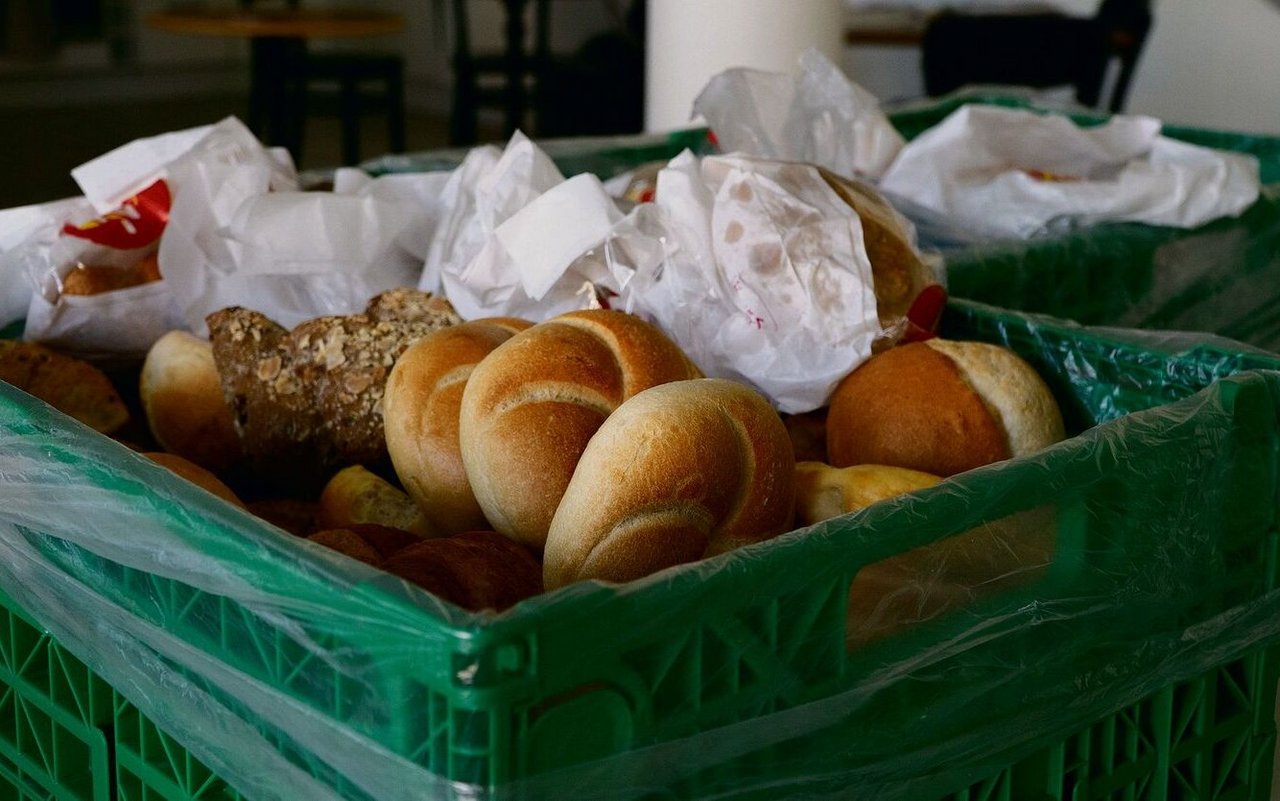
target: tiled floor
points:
(39, 147)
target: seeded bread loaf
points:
(310, 399)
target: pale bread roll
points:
(824, 492)
(531, 406)
(941, 407)
(679, 472)
(356, 495)
(182, 400)
(195, 474)
(420, 412)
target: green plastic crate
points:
(243, 658)
(1222, 278)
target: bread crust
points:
(309, 399)
(679, 472)
(421, 412)
(72, 386)
(531, 406)
(942, 408)
(824, 492)
(181, 397)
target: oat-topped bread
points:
(311, 398)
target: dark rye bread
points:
(310, 399)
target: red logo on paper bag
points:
(925, 314)
(137, 223)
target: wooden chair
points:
(1038, 50)
(505, 80)
(349, 85)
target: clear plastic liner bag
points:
(1016, 604)
(815, 115)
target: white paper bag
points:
(757, 269)
(1012, 173)
(815, 115)
(240, 234)
(26, 235)
(481, 193)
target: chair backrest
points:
(1038, 50)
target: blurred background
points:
(80, 77)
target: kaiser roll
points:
(182, 399)
(420, 413)
(941, 407)
(677, 473)
(531, 406)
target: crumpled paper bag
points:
(241, 234)
(757, 269)
(27, 234)
(1011, 173)
(116, 223)
(815, 115)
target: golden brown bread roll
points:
(295, 515)
(182, 400)
(475, 570)
(70, 385)
(367, 542)
(679, 472)
(196, 475)
(309, 399)
(87, 279)
(824, 492)
(941, 407)
(356, 495)
(420, 413)
(898, 271)
(531, 406)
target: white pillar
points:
(689, 41)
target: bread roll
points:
(475, 570)
(531, 406)
(72, 386)
(356, 495)
(182, 400)
(897, 268)
(196, 475)
(308, 400)
(367, 542)
(824, 492)
(941, 407)
(88, 279)
(420, 418)
(679, 472)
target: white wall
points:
(1207, 63)
(1212, 64)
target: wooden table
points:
(277, 46)
(885, 28)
